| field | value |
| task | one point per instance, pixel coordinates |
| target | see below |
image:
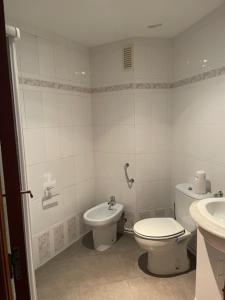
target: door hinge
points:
(15, 264)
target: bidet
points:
(103, 220)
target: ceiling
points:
(95, 22)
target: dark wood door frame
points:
(8, 139)
(5, 276)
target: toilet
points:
(166, 239)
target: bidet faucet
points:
(112, 202)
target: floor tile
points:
(82, 273)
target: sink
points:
(216, 210)
(209, 214)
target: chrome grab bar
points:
(130, 181)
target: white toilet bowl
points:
(104, 224)
(166, 242)
(166, 239)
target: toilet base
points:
(104, 237)
(173, 261)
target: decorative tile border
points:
(44, 247)
(55, 239)
(83, 228)
(72, 229)
(54, 85)
(199, 77)
(59, 238)
(127, 86)
(113, 88)
(153, 86)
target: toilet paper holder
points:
(48, 195)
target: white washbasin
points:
(101, 215)
(209, 214)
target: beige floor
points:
(81, 273)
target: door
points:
(10, 162)
(5, 276)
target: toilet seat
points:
(158, 229)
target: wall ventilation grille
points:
(128, 58)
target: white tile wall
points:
(197, 131)
(198, 109)
(155, 166)
(114, 108)
(82, 110)
(51, 108)
(84, 167)
(57, 127)
(28, 55)
(82, 139)
(133, 126)
(152, 106)
(165, 135)
(200, 48)
(66, 141)
(36, 178)
(153, 195)
(127, 125)
(69, 199)
(46, 58)
(85, 194)
(65, 109)
(35, 146)
(153, 60)
(62, 62)
(115, 139)
(79, 68)
(107, 65)
(33, 105)
(52, 143)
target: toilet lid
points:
(158, 228)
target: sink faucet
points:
(112, 202)
(219, 194)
